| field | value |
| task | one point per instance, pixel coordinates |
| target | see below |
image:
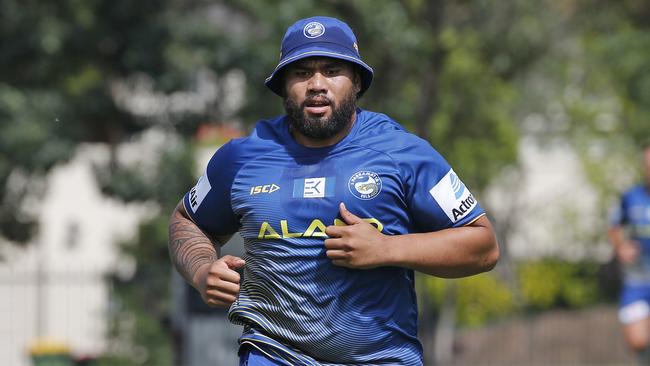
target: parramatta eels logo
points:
(313, 30)
(365, 185)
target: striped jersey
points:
(295, 305)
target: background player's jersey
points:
(295, 304)
(634, 214)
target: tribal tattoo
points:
(189, 247)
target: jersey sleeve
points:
(435, 195)
(208, 202)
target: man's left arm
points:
(449, 253)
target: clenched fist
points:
(218, 282)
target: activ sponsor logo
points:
(465, 206)
(457, 185)
(453, 197)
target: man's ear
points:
(357, 81)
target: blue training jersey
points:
(633, 212)
(295, 305)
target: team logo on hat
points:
(313, 30)
(365, 185)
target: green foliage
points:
(479, 299)
(145, 298)
(30, 145)
(476, 110)
(57, 62)
(598, 84)
(621, 56)
(550, 283)
(543, 284)
(482, 298)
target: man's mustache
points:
(317, 98)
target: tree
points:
(57, 65)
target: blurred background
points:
(110, 109)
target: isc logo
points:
(267, 188)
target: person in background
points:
(629, 233)
(338, 206)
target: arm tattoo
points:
(189, 247)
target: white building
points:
(548, 206)
(54, 288)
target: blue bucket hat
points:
(319, 36)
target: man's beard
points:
(321, 128)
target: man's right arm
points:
(627, 251)
(196, 257)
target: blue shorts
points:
(251, 356)
(634, 303)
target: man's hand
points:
(357, 245)
(628, 251)
(218, 282)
